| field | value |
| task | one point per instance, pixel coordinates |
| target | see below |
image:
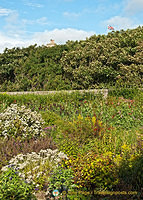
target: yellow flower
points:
(125, 147)
(118, 159)
(99, 122)
(108, 153)
(4, 93)
(93, 119)
(87, 119)
(80, 117)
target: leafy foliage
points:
(101, 137)
(35, 167)
(13, 187)
(101, 61)
(61, 178)
(106, 60)
(94, 171)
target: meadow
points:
(83, 145)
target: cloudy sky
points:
(26, 22)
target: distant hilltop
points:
(51, 44)
(107, 61)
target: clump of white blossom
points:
(19, 121)
(35, 167)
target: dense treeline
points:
(101, 61)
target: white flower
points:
(28, 122)
(4, 168)
(37, 160)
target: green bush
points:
(127, 93)
(94, 171)
(131, 172)
(72, 136)
(62, 179)
(49, 117)
(13, 187)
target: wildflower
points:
(49, 127)
(26, 121)
(99, 122)
(124, 147)
(80, 117)
(93, 119)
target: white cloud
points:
(32, 4)
(71, 14)
(134, 6)
(8, 42)
(119, 22)
(40, 21)
(5, 12)
(60, 36)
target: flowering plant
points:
(19, 121)
(35, 167)
(93, 171)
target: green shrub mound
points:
(13, 187)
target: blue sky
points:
(26, 22)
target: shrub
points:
(74, 135)
(13, 146)
(13, 187)
(93, 171)
(35, 167)
(49, 117)
(70, 147)
(20, 122)
(127, 93)
(62, 179)
(83, 128)
(131, 170)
